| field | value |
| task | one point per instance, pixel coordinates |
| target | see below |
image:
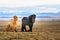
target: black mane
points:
(30, 17)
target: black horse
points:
(28, 21)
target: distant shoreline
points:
(37, 19)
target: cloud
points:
(34, 9)
(12, 11)
(22, 3)
(45, 9)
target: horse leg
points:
(30, 26)
(15, 29)
(22, 28)
(8, 28)
(25, 28)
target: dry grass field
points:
(42, 30)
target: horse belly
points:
(25, 22)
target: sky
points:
(12, 5)
(30, 3)
(21, 3)
(27, 7)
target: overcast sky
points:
(30, 6)
(21, 3)
(30, 3)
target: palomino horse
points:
(12, 25)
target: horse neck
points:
(15, 21)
